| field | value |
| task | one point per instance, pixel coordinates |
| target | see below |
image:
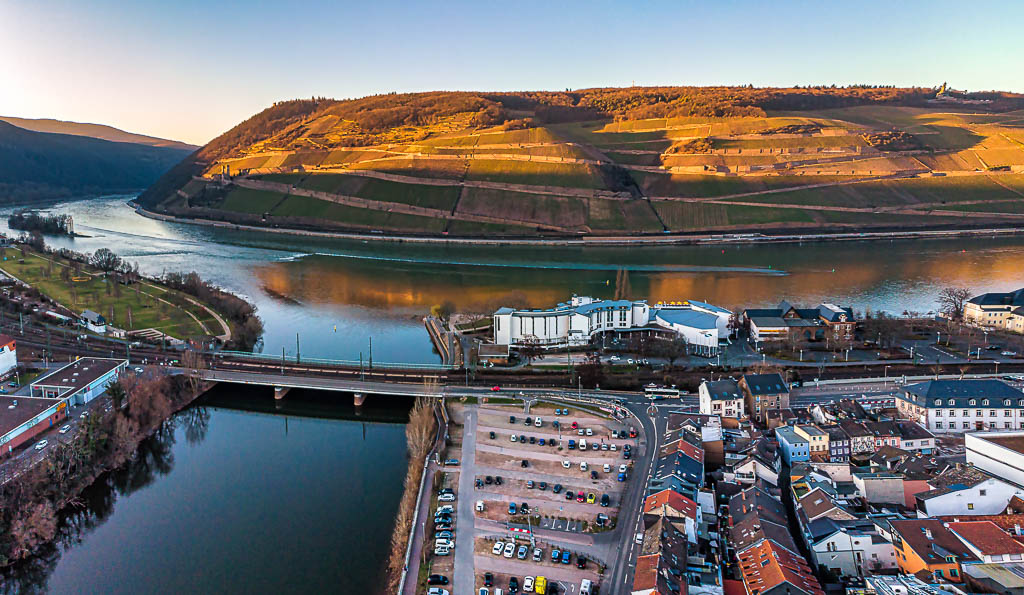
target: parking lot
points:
(562, 498)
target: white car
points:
(510, 550)
(438, 591)
(566, 464)
(65, 429)
(622, 468)
(614, 358)
(613, 447)
(607, 468)
(527, 584)
(583, 465)
(442, 551)
(579, 432)
(139, 370)
(446, 498)
(538, 422)
(41, 444)
(590, 432)
(446, 509)
(1009, 353)
(498, 546)
(515, 438)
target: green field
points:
(305, 207)
(535, 209)
(622, 215)
(140, 300)
(248, 200)
(421, 195)
(688, 216)
(535, 173)
(895, 192)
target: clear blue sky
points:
(189, 70)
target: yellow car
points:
(591, 498)
(541, 585)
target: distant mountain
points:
(40, 165)
(99, 131)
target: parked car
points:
(497, 480)
(525, 463)
(583, 465)
(572, 444)
(605, 500)
(538, 554)
(528, 421)
(511, 507)
(446, 509)
(557, 489)
(622, 477)
(513, 584)
(495, 388)
(575, 425)
(580, 497)
(590, 432)
(613, 447)
(493, 435)
(510, 550)
(446, 498)
(555, 555)
(591, 498)
(498, 546)
(595, 446)
(626, 455)
(565, 557)
(552, 442)
(527, 584)
(41, 445)
(443, 527)
(438, 590)
(529, 484)
(488, 579)
(443, 535)
(566, 464)
(523, 551)
(593, 474)
(542, 486)
(622, 468)
(569, 495)
(511, 419)
(607, 468)
(515, 438)
(522, 438)
(581, 562)
(488, 480)
(538, 422)
(542, 442)
(437, 579)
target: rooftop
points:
(766, 384)
(13, 416)
(960, 389)
(987, 538)
(931, 540)
(656, 502)
(768, 565)
(690, 318)
(723, 390)
(80, 373)
(1013, 441)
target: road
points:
(465, 576)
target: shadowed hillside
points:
(99, 131)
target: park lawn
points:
(420, 195)
(535, 173)
(248, 200)
(146, 311)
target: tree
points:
(671, 349)
(105, 260)
(530, 350)
(952, 300)
(446, 309)
(117, 394)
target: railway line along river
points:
(256, 499)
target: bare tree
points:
(952, 300)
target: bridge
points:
(282, 383)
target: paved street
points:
(465, 575)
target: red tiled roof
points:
(924, 535)
(732, 587)
(987, 538)
(768, 565)
(672, 499)
(646, 575)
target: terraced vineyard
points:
(487, 165)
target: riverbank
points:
(34, 497)
(596, 241)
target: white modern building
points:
(721, 397)
(8, 356)
(576, 323)
(998, 453)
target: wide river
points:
(240, 497)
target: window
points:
(966, 425)
(982, 492)
(966, 413)
(953, 572)
(984, 402)
(938, 425)
(973, 402)
(991, 412)
(1007, 425)
(970, 506)
(938, 402)
(938, 413)
(1006, 403)
(1020, 403)
(977, 412)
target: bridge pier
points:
(358, 398)
(280, 392)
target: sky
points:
(189, 70)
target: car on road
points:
(639, 538)
(1008, 353)
(139, 370)
(511, 507)
(498, 547)
(605, 500)
(65, 429)
(84, 415)
(510, 550)
(527, 584)
(495, 389)
(488, 579)
(591, 498)
(523, 551)
(437, 579)
(41, 445)
(615, 358)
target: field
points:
(139, 306)
(781, 162)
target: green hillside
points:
(614, 162)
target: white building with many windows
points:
(958, 406)
(577, 322)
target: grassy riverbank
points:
(419, 435)
(138, 305)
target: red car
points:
(575, 425)
(580, 497)
(495, 389)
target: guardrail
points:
(898, 379)
(333, 362)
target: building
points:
(957, 406)
(94, 322)
(817, 440)
(965, 490)
(838, 444)
(998, 453)
(927, 545)
(24, 418)
(721, 397)
(763, 393)
(808, 324)
(671, 504)
(988, 542)
(82, 380)
(1006, 579)
(8, 356)
(769, 569)
(792, 446)
(997, 310)
(862, 441)
(583, 319)
(849, 548)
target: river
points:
(303, 498)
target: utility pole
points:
(361, 377)
(282, 360)
(371, 352)
(297, 352)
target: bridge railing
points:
(291, 359)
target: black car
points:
(479, 483)
(497, 480)
(593, 474)
(626, 455)
(511, 419)
(437, 579)
(488, 579)
(569, 495)
(488, 480)
(524, 508)
(557, 489)
(493, 435)
(552, 442)
(513, 584)
(528, 421)
(543, 485)
(525, 463)
(522, 439)
(581, 562)
(605, 500)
